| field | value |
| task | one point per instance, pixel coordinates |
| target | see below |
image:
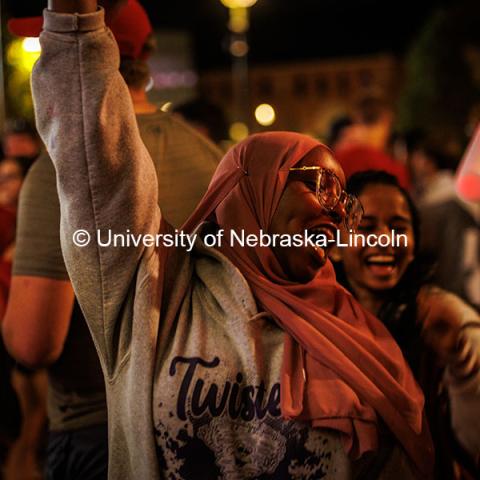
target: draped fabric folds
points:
(341, 368)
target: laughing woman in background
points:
(438, 333)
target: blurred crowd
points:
(366, 140)
(447, 253)
(20, 147)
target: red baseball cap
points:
(130, 27)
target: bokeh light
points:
(166, 107)
(21, 55)
(238, 131)
(265, 114)
(31, 45)
(238, 20)
(238, 3)
(239, 48)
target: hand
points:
(72, 6)
(441, 317)
(87, 6)
(111, 4)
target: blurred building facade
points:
(307, 96)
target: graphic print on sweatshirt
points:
(208, 427)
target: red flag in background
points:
(468, 173)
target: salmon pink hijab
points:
(341, 370)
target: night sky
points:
(285, 30)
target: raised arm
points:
(452, 329)
(105, 177)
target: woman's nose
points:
(338, 213)
(382, 228)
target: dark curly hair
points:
(398, 312)
(359, 181)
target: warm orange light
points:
(238, 3)
(239, 48)
(238, 22)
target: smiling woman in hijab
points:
(221, 362)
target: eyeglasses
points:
(330, 194)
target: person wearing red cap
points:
(367, 149)
(57, 333)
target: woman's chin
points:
(321, 256)
(315, 260)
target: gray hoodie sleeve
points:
(106, 179)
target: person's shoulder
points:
(38, 251)
(39, 189)
(432, 296)
(178, 132)
(431, 292)
(159, 117)
(41, 172)
(451, 209)
(187, 131)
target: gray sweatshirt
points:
(192, 375)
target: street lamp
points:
(238, 25)
(238, 3)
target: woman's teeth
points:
(380, 264)
(381, 259)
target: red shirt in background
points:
(357, 158)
